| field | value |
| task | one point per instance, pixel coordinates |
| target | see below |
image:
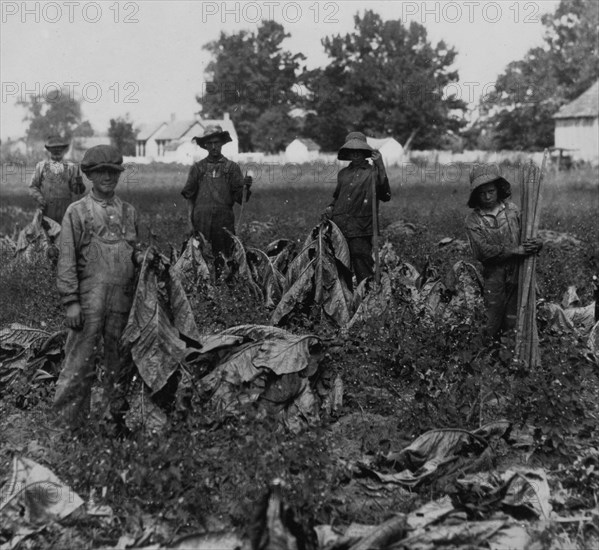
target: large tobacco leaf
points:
(318, 275)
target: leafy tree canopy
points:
(518, 113)
(83, 130)
(254, 79)
(51, 114)
(383, 79)
(122, 135)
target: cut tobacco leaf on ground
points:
(35, 496)
(268, 363)
(431, 454)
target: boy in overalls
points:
(96, 269)
(56, 183)
(214, 184)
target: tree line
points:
(384, 77)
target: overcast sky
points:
(145, 58)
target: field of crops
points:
(401, 375)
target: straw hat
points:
(355, 141)
(212, 132)
(487, 173)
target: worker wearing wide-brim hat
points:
(213, 186)
(98, 253)
(56, 183)
(351, 209)
(493, 228)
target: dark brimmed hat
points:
(355, 141)
(212, 132)
(57, 142)
(102, 157)
(487, 173)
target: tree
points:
(518, 113)
(274, 130)
(253, 79)
(83, 130)
(51, 114)
(122, 135)
(383, 79)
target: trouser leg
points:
(56, 208)
(360, 250)
(221, 241)
(495, 299)
(73, 389)
(118, 368)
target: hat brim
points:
(354, 145)
(105, 166)
(503, 187)
(224, 136)
(58, 146)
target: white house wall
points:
(581, 135)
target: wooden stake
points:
(375, 234)
(244, 194)
(527, 339)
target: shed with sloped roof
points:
(577, 126)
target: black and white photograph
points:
(299, 275)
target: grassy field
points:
(288, 202)
(401, 376)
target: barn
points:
(391, 150)
(577, 126)
(302, 150)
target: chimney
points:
(226, 116)
(173, 116)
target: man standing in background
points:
(213, 186)
(56, 183)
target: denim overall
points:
(106, 277)
(213, 209)
(57, 191)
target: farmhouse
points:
(577, 126)
(302, 150)
(391, 150)
(171, 141)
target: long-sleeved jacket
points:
(352, 198)
(491, 236)
(198, 188)
(86, 222)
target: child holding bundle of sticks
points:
(493, 228)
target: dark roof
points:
(585, 105)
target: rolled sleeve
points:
(383, 190)
(236, 182)
(190, 190)
(35, 185)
